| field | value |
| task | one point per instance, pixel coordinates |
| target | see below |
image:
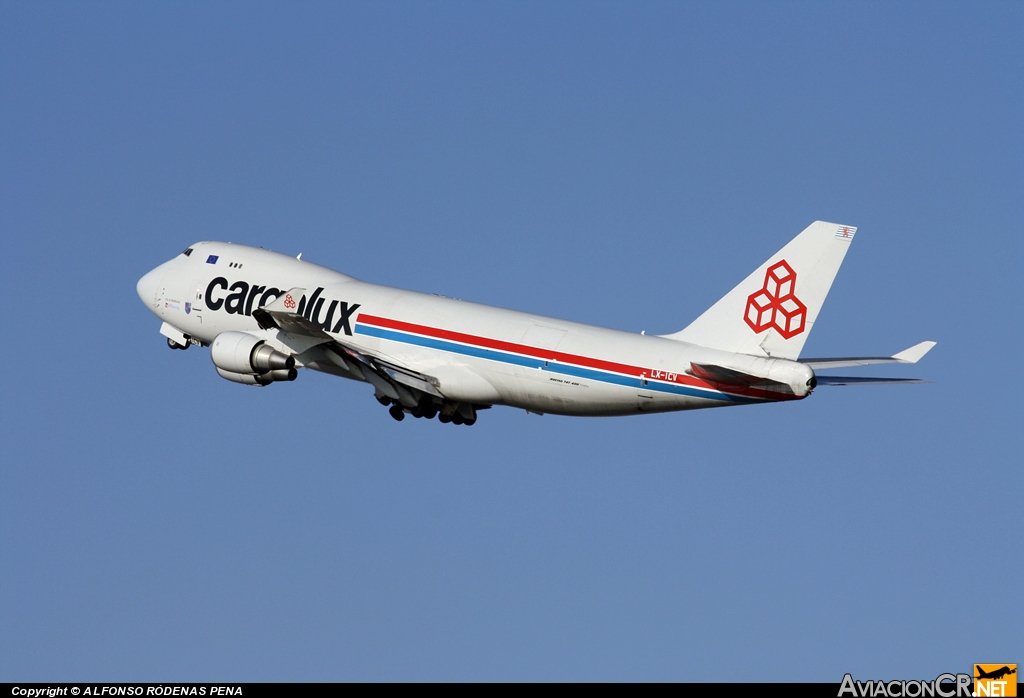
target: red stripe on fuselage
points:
(552, 355)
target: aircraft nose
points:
(148, 286)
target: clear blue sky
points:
(621, 164)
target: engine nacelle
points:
(281, 374)
(244, 378)
(242, 353)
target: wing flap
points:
(419, 381)
(384, 375)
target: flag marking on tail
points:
(775, 305)
(846, 232)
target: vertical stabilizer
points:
(772, 311)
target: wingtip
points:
(285, 303)
(914, 353)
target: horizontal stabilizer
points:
(858, 380)
(907, 356)
(914, 353)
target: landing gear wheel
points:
(174, 345)
(469, 422)
(444, 418)
(430, 414)
(383, 400)
(397, 413)
(457, 418)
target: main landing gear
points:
(174, 345)
(446, 412)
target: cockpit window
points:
(187, 252)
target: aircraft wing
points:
(382, 374)
(281, 314)
(907, 356)
(375, 369)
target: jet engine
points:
(243, 358)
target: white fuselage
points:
(479, 354)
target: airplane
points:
(265, 314)
(997, 674)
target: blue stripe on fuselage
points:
(553, 366)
